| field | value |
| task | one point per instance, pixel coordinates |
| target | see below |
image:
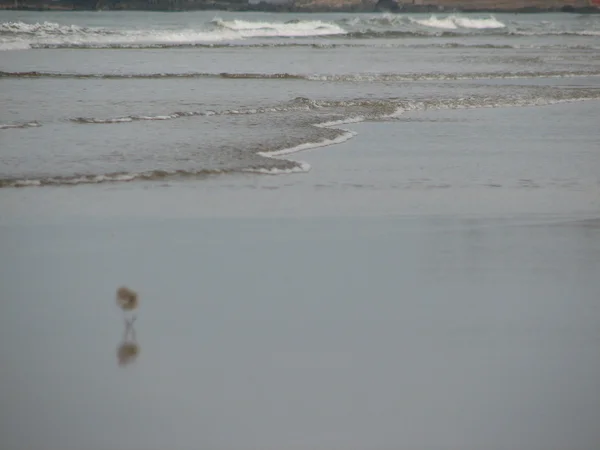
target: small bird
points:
(127, 299)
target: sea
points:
(346, 231)
(110, 96)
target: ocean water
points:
(91, 97)
(348, 232)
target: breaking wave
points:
(371, 110)
(378, 108)
(20, 35)
(454, 22)
(32, 124)
(46, 29)
(296, 28)
(179, 114)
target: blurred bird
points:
(127, 353)
(127, 299)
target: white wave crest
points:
(301, 167)
(454, 22)
(43, 28)
(304, 166)
(20, 35)
(434, 22)
(74, 181)
(480, 24)
(34, 124)
(284, 29)
(343, 137)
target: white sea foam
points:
(284, 29)
(21, 35)
(407, 107)
(167, 117)
(346, 134)
(5, 126)
(42, 28)
(335, 123)
(480, 24)
(301, 165)
(25, 183)
(444, 24)
(362, 77)
(90, 179)
(556, 33)
(132, 38)
(454, 22)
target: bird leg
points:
(129, 330)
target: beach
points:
(420, 271)
(293, 311)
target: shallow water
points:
(431, 283)
(408, 294)
(302, 333)
(111, 96)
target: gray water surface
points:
(431, 283)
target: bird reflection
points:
(128, 349)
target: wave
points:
(440, 32)
(454, 22)
(357, 77)
(390, 109)
(243, 75)
(104, 178)
(451, 22)
(46, 28)
(298, 104)
(383, 77)
(151, 175)
(32, 124)
(322, 45)
(343, 136)
(288, 167)
(20, 35)
(581, 33)
(176, 115)
(296, 28)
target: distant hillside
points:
(310, 5)
(497, 5)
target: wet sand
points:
(358, 306)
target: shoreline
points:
(340, 190)
(299, 165)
